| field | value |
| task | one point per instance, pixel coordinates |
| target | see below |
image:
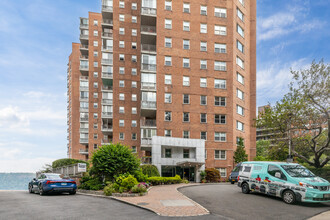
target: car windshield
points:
(297, 171)
(53, 176)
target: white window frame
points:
(185, 62)
(168, 24)
(186, 81)
(186, 7)
(203, 82)
(203, 9)
(220, 48)
(220, 12)
(240, 110)
(220, 30)
(168, 5)
(222, 137)
(240, 78)
(168, 42)
(239, 126)
(168, 61)
(203, 44)
(168, 79)
(203, 28)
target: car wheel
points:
(72, 193)
(245, 188)
(30, 189)
(41, 190)
(289, 197)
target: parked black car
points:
(234, 174)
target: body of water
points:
(15, 181)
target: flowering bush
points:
(140, 188)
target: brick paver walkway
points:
(166, 200)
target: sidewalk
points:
(322, 216)
(166, 200)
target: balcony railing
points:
(84, 67)
(83, 88)
(148, 85)
(148, 47)
(104, 87)
(108, 48)
(148, 11)
(149, 67)
(148, 29)
(84, 119)
(105, 34)
(107, 101)
(83, 99)
(146, 141)
(148, 104)
(85, 26)
(106, 141)
(83, 130)
(107, 8)
(83, 140)
(83, 109)
(83, 36)
(146, 160)
(148, 123)
(107, 128)
(84, 78)
(83, 151)
(107, 114)
(83, 46)
(107, 61)
(107, 75)
(83, 57)
(107, 21)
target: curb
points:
(321, 216)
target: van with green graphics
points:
(290, 181)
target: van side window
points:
(240, 168)
(247, 169)
(257, 168)
(274, 169)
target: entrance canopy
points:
(189, 163)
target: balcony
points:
(107, 61)
(83, 99)
(107, 8)
(149, 105)
(83, 130)
(106, 88)
(84, 57)
(107, 101)
(107, 35)
(83, 47)
(149, 48)
(148, 123)
(83, 68)
(146, 160)
(106, 128)
(83, 26)
(148, 11)
(107, 75)
(149, 67)
(83, 88)
(83, 140)
(83, 109)
(146, 141)
(148, 29)
(107, 48)
(107, 114)
(148, 86)
(108, 22)
(84, 119)
(83, 36)
(83, 151)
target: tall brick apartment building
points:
(174, 80)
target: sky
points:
(35, 42)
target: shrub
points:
(323, 172)
(212, 175)
(140, 188)
(109, 189)
(65, 162)
(150, 170)
(203, 174)
(164, 180)
(129, 182)
(91, 183)
(140, 176)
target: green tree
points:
(240, 154)
(301, 119)
(112, 160)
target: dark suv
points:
(234, 174)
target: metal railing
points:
(148, 11)
(83, 36)
(146, 141)
(106, 141)
(83, 140)
(83, 109)
(106, 128)
(148, 122)
(109, 48)
(148, 104)
(107, 21)
(84, 57)
(83, 151)
(149, 67)
(148, 85)
(148, 47)
(107, 61)
(83, 46)
(83, 88)
(83, 130)
(107, 8)
(107, 75)
(107, 114)
(146, 160)
(83, 67)
(148, 29)
(106, 34)
(107, 101)
(83, 99)
(84, 119)
(104, 87)
(83, 78)
(83, 25)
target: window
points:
(168, 153)
(95, 136)
(240, 62)
(121, 57)
(96, 64)
(186, 62)
(121, 70)
(95, 22)
(220, 12)
(134, 147)
(134, 58)
(134, 111)
(272, 170)
(186, 134)
(186, 44)
(239, 110)
(203, 10)
(186, 99)
(121, 96)
(240, 46)
(220, 154)
(203, 100)
(95, 105)
(168, 5)
(95, 74)
(134, 6)
(121, 83)
(134, 19)
(121, 136)
(220, 83)
(96, 33)
(240, 30)
(240, 14)
(186, 117)
(203, 118)
(203, 28)
(203, 135)
(168, 98)
(186, 7)
(168, 23)
(134, 32)
(203, 82)
(219, 101)
(168, 42)
(95, 43)
(168, 79)
(121, 109)
(242, 2)
(203, 46)
(134, 97)
(219, 119)
(95, 53)
(240, 78)
(121, 44)
(121, 123)
(168, 61)
(168, 116)
(167, 133)
(121, 17)
(219, 136)
(186, 81)
(121, 4)
(95, 95)
(220, 66)
(95, 85)
(240, 94)
(220, 30)
(134, 71)
(121, 31)
(220, 48)
(95, 146)
(203, 64)
(134, 84)
(239, 126)
(134, 123)
(186, 25)
(185, 153)
(95, 115)
(223, 172)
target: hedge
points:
(150, 170)
(65, 162)
(164, 180)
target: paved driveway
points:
(226, 200)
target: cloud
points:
(24, 164)
(11, 118)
